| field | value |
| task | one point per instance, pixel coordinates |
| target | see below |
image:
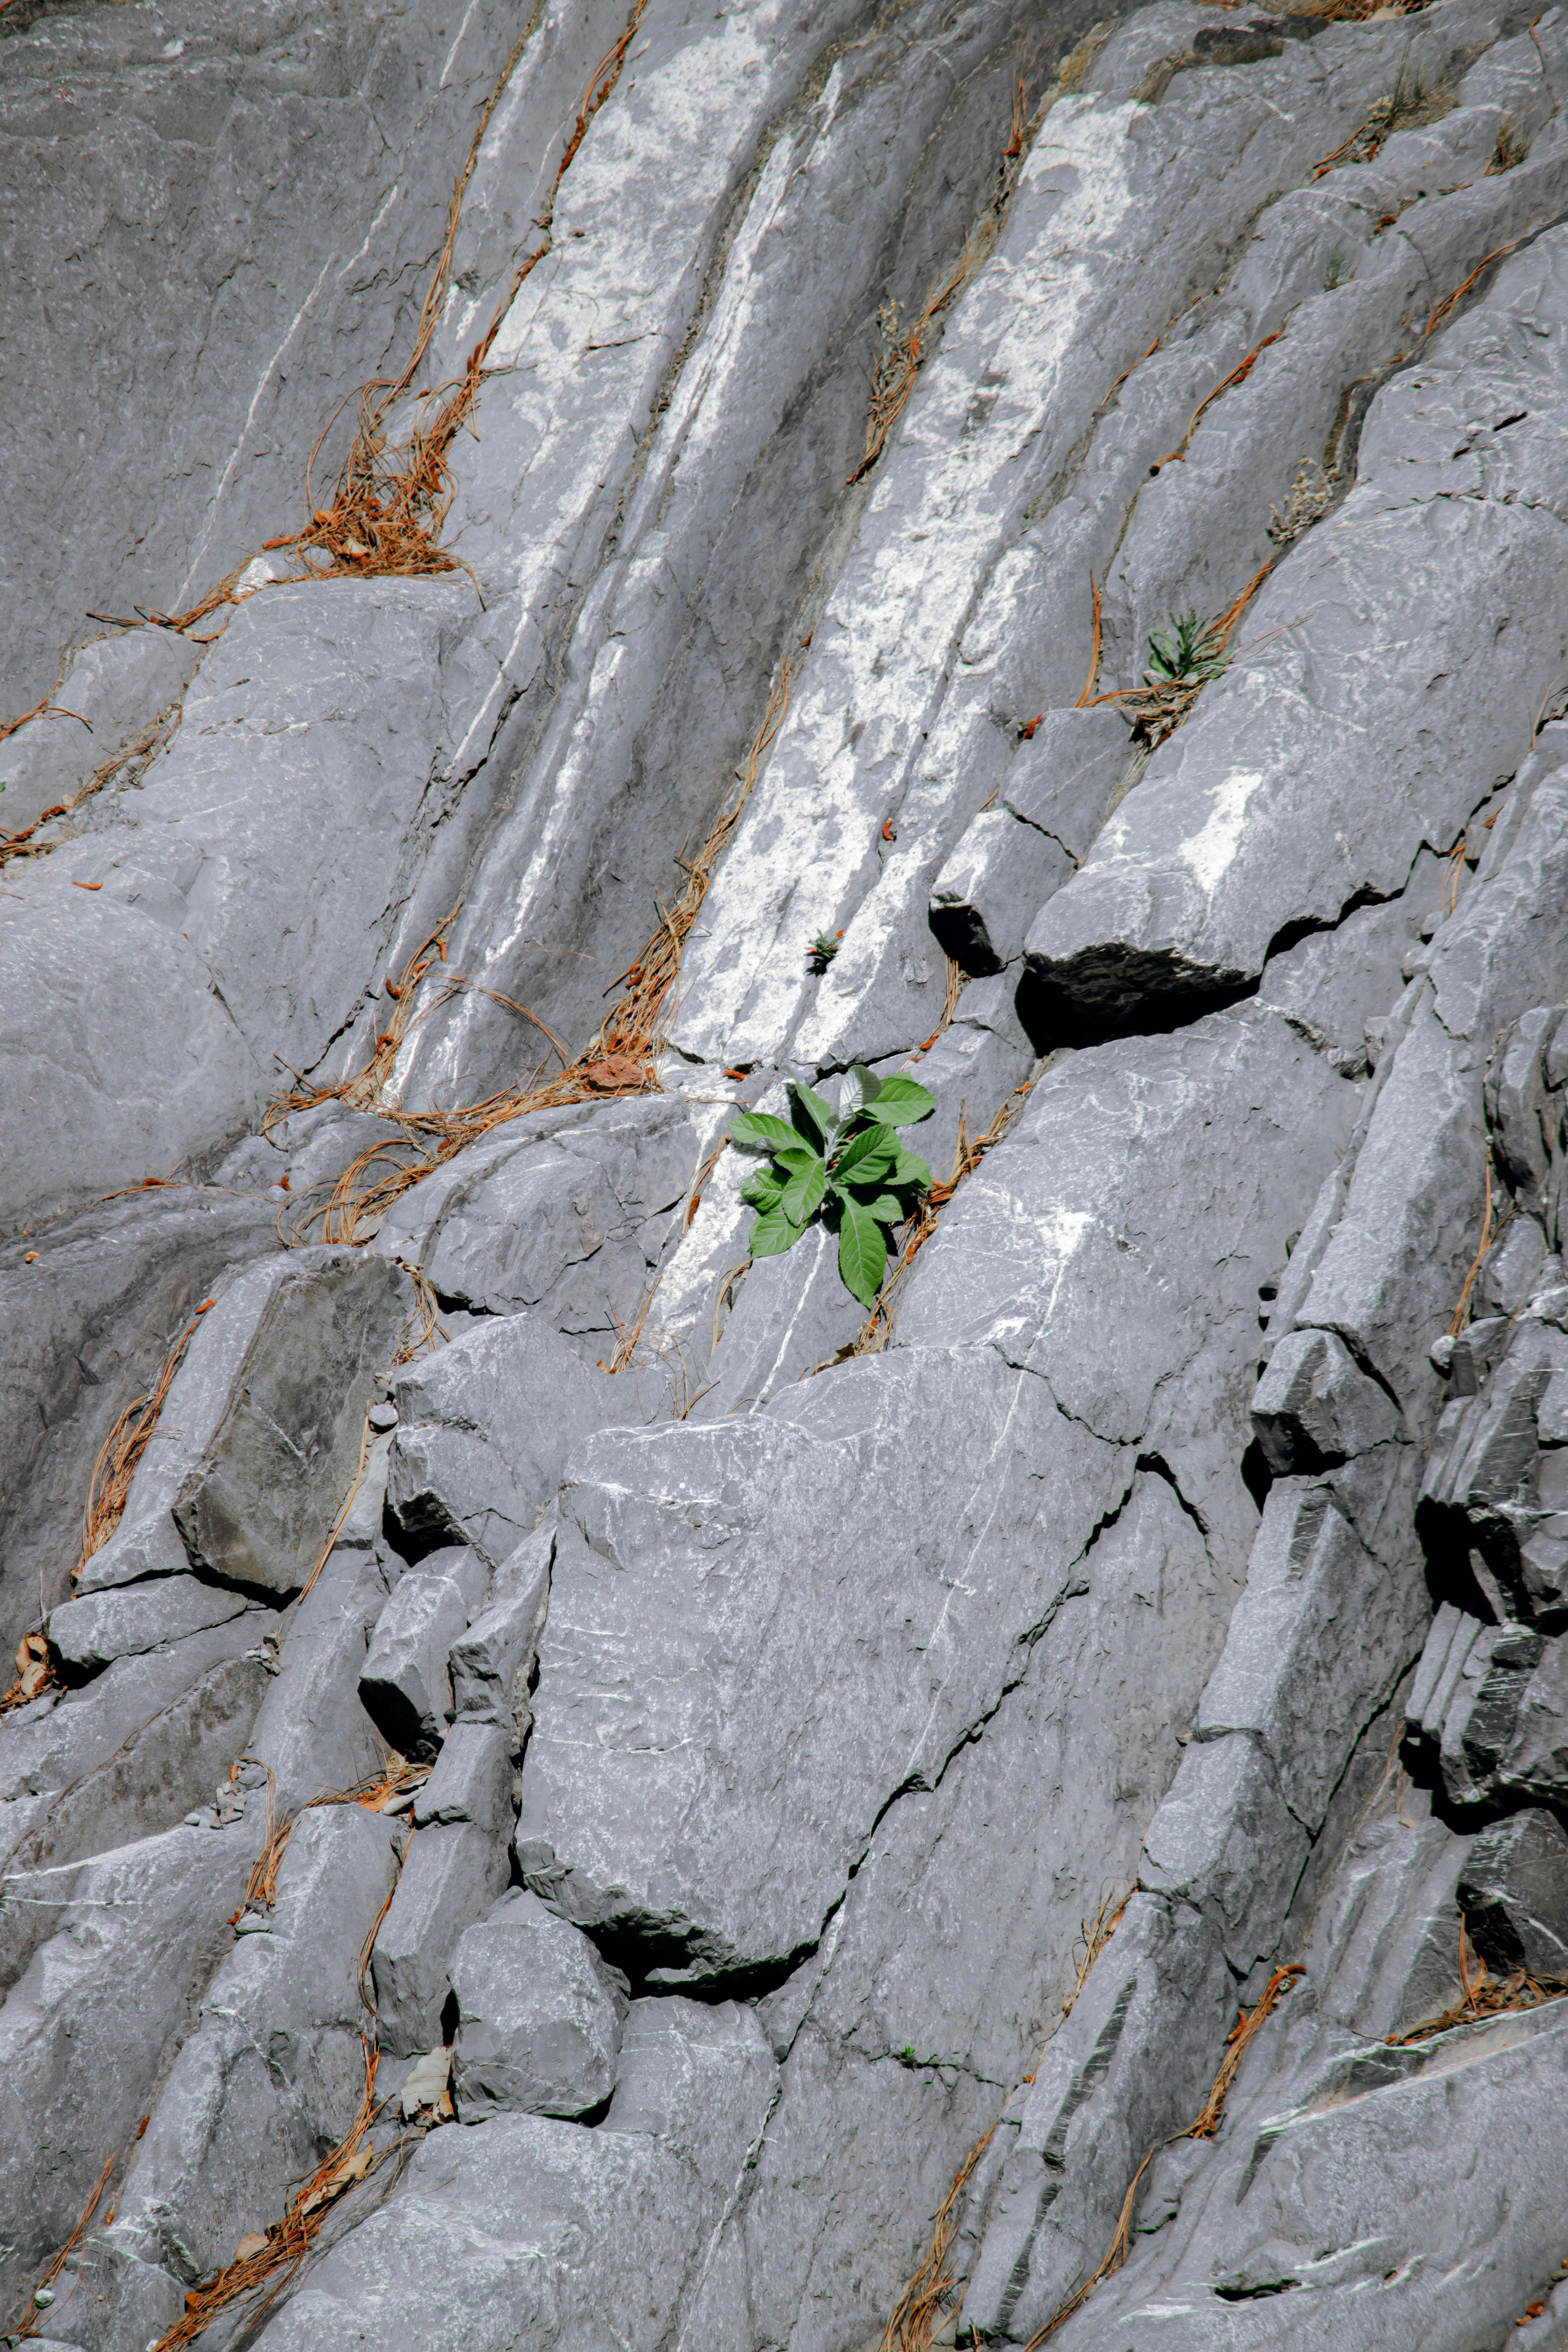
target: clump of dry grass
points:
(1306, 502)
(136, 755)
(1482, 1995)
(1157, 707)
(122, 1449)
(1203, 2126)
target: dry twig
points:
(121, 1451)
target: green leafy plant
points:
(822, 950)
(846, 1166)
(1190, 653)
(1334, 272)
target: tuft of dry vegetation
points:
(1482, 1995)
(1180, 669)
(122, 1449)
(1203, 2127)
(878, 1330)
(1306, 502)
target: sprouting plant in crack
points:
(1189, 654)
(1334, 271)
(822, 950)
(848, 1167)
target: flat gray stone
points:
(452, 1874)
(404, 1682)
(129, 1618)
(538, 2016)
(484, 1431)
(992, 888)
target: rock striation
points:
(564, 1784)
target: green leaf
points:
(862, 1250)
(857, 1088)
(902, 1102)
(799, 1159)
(803, 1193)
(887, 1208)
(812, 1117)
(773, 1233)
(910, 1169)
(764, 1189)
(760, 1127)
(870, 1155)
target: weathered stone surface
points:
(118, 1761)
(271, 2076)
(89, 2026)
(491, 1664)
(484, 1430)
(1254, 817)
(992, 888)
(88, 1314)
(618, 2220)
(260, 1437)
(538, 2016)
(129, 1618)
(114, 688)
(312, 1728)
(1316, 1644)
(1064, 779)
(404, 1682)
(1313, 1408)
(471, 1781)
(567, 1224)
(1513, 1892)
(452, 1874)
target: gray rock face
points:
(1513, 1892)
(403, 1683)
(620, 2216)
(89, 2026)
(130, 1618)
(859, 1696)
(484, 1430)
(992, 888)
(452, 1874)
(491, 1664)
(538, 2016)
(260, 1438)
(271, 2076)
(562, 1213)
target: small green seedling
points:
(1188, 655)
(848, 1166)
(822, 950)
(1334, 272)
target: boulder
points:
(491, 1664)
(126, 1619)
(484, 1431)
(403, 1683)
(260, 1437)
(538, 2016)
(992, 888)
(1513, 1892)
(452, 1874)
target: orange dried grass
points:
(28, 2327)
(1482, 1995)
(1203, 2127)
(121, 1451)
(22, 843)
